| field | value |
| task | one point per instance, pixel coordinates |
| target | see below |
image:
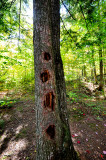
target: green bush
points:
(6, 103)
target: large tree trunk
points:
(53, 139)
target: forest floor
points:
(86, 116)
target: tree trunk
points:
(19, 25)
(94, 67)
(53, 138)
(101, 70)
(100, 50)
(84, 72)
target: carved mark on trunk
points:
(51, 131)
(49, 101)
(47, 56)
(45, 76)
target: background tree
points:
(85, 21)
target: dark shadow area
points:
(49, 101)
(45, 76)
(51, 131)
(4, 144)
(47, 56)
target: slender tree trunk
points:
(19, 23)
(101, 70)
(53, 139)
(92, 73)
(100, 50)
(84, 75)
(84, 72)
(94, 67)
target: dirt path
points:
(17, 141)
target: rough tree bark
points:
(53, 138)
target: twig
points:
(17, 119)
(65, 27)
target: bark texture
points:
(53, 138)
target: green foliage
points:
(73, 96)
(7, 103)
(16, 51)
(83, 104)
(81, 37)
(82, 34)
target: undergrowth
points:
(82, 102)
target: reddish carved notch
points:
(49, 101)
(47, 56)
(45, 76)
(51, 131)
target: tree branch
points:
(67, 10)
(65, 27)
(84, 17)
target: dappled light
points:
(14, 139)
(87, 123)
(14, 148)
(18, 129)
(37, 60)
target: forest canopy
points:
(82, 42)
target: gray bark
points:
(53, 138)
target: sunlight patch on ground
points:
(14, 147)
(18, 129)
(7, 117)
(3, 94)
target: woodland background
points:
(82, 42)
(82, 45)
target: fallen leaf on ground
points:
(73, 135)
(87, 151)
(101, 156)
(78, 142)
